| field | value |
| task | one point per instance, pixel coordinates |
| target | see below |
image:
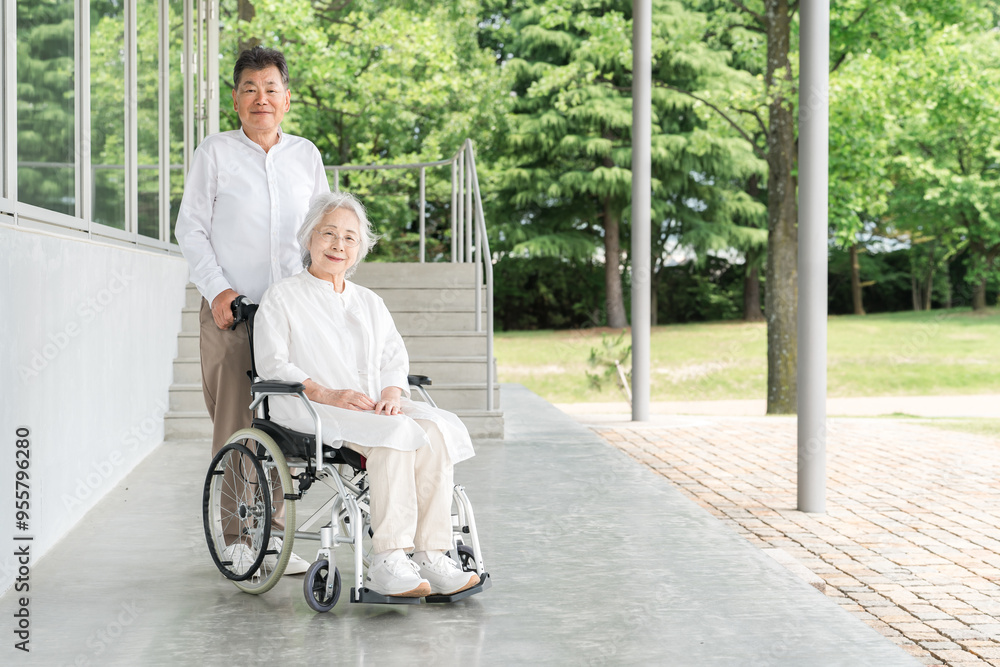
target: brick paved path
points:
(910, 542)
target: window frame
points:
(81, 223)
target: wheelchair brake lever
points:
(239, 308)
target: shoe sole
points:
(423, 590)
(473, 580)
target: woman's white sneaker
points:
(296, 565)
(443, 573)
(397, 575)
(240, 555)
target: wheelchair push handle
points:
(243, 308)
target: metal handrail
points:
(469, 241)
(484, 260)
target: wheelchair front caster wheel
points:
(315, 586)
(468, 557)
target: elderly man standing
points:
(245, 197)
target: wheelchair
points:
(250, 491)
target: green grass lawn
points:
(895, 354)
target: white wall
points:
(88, 334)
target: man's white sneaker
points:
(443, 573)
(241, 556)
(397, 575)
(295, 565)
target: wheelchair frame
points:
(277, 450)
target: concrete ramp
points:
(595, 560)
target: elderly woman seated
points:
(339, 340)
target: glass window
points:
(46, 155)
(148, 108)
(177, 74)
(107, 111)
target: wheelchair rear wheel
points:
(245, 498)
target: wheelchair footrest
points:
(484, 583)
(369, 596)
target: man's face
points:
(261, 100)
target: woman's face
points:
(334, 245)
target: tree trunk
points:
(929, 289)
(614, 298)
(781, 296)
(979, 296)
(856, 296)
(948, 293)
(915, 293)
(245, 12)
(751, 272)
(751, 291)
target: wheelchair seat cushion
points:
(298, 445)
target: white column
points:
(814, 49)
(131, 119)
(163, 122)
(8, 91)
(454, 210)
(201, 90)
(187, 70)
(642, 21)
(212, 46)
(423, 213)
(81, 83)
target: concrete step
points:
(190, 320)
(446, 343)
(419, 299)
(187, 370)
(483, 424)
(450, 370)
(437, 275)
(408, 318)
(192, 297)
(190, 426)
(186, 426)
(189, 344)
(188, 398)
(460, 396)
(417, 323)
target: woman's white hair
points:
(319, 207)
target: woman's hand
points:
(389, 402)
(348, 399)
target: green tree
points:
(568, 171)
(762, 38)
(947, 195)
(45, 104)
(863, 135)
(381, 83)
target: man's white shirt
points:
(241, 211)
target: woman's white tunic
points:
(305, 329)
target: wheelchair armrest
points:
(277, 387)
(418, 380)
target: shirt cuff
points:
(395, 380)
(295, 375)
(214, 289)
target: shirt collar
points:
(253, 144)
(326, 284)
